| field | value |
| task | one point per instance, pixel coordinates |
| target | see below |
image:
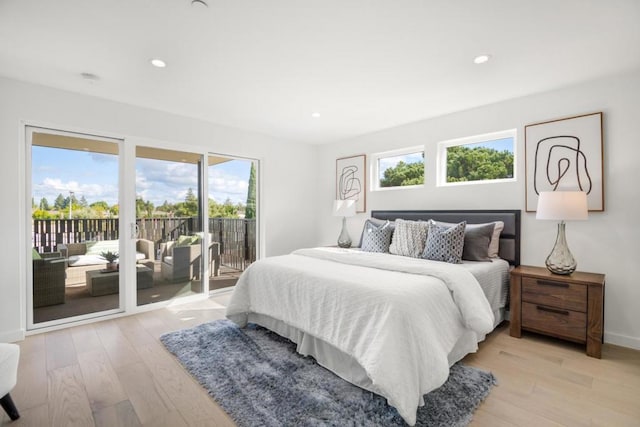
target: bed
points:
(390, 324)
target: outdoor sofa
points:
(85, 256)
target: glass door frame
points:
(160, 147)
(257, 162)
(126, 221)
(29, 129)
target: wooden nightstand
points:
(569, 307)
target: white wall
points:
(607, 243)
(287, 171)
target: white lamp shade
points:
(344, 207)
(562, 205)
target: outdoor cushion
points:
(96, 248)
(81, 260)
(186, 240)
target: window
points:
(477, 159)
(399, 168)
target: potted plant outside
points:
(111, 258)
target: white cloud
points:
(50, 188)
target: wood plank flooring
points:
(117, 373)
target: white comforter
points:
(400, 319)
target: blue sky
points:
(497, 144)
(95, 176)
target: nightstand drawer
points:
(559, 322)
(554, 294)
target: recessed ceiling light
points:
(481, 59)
(199, 4)
(158, 63)
(315, 115)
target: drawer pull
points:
(550, 283)
(552, 310)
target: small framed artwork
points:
(351, 180)
(565, 155)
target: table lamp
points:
(562, 206)
(344, 208)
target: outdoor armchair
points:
(182, 263)
(48, 280)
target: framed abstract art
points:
(351, 180)
(565, 155)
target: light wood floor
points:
(117, 373)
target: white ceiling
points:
(365, 65)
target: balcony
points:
(164, 270)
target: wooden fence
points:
(237, 236)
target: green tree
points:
(60, 202)
(44, 204)
(42, 214)
(166, 207)
(189, 207)
(224, 210)
(71, 200)
(479, 163)
(191, 202)
(139, 207)
(403, 174)
(100, 204)
(99, 209)
(250, 211)
(83, 202)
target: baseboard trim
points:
(622, 340)
(12, 336)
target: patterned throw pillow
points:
(377, 223)
(445, 243)
(409, 238)
(376, 238)
(477, 238)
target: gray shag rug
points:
(259, 380)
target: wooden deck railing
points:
(237, 236)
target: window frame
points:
(375, 167)
(441, 164)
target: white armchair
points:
(9, 356)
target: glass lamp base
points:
(344, 241)
(560, 260)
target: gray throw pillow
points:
(476, 242)
(445, 243)
(376, 238)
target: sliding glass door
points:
(114, 226)
(233, 212)
(170, 259)
(74, 226)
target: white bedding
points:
(494, 280)
(400, 320)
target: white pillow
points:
(409, 238)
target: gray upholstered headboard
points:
(509, 239)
